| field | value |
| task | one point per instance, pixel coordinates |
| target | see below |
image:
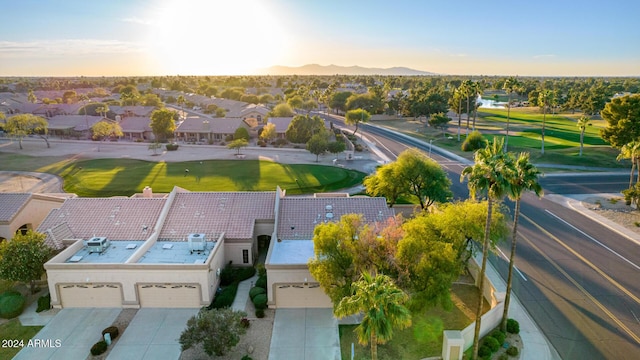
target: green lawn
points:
(15, 331)
(424, 337)
(111, 177)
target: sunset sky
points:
(215, 37)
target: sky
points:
(237, 37)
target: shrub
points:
(44, 303)
(261, 143)
(474, 141)
(492, 343)
(260, 301)
(245, 273)
(503, 357)
(228, 138)
(231, 274)
(262, 282)
(259, 313)
(512, 351)
(245, 323)
(513, 327)
(172, 147)
(112, 331)
(262, 271)
(225, 298)
(499, 335)
(256, 291)
(484, 351)
(246, 357)
(281, 142)
(11, 304)
(99, 348)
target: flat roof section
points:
(174, 252)
(117, 253)
(292, 252)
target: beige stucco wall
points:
(287, 274)
(33, 213)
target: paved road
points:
(577, 278)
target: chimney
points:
(147, 192)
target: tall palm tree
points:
(525, 178)
(543, 98)
(491, 173)
(467, 89)
(631, 151)
(583, 122)
(458, 93)
(511, 85)
(381, 302)
(477, 90)
(181, 102)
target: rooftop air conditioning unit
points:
(97, 244)
(196, 242)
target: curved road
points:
(577, 278)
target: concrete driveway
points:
(306, 334)
(152, 334)
(70, 334)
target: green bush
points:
(172, 147)
(262, 282)
(259, 313)
(256, 291)
(512, 326)
(260, 301)
(492, 343)
(245, 323)
(474, 141)
(512, 351)
(246, 357)
(262, 271)
(112, 331)
(99, 348)
(503, 357)
(231, 274)
(499, 335)
(484, 351)
(225, 298)
(11, 304)
(44, 303)
(245, 273)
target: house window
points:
(245, 256)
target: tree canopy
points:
(282, 110)
(162, 123)
(238, 144)
(217, 330)
(318, 144)
(302, 127)
(622, 115)
(355, 117)
(241, 133)
(22, 258)
(23, 125)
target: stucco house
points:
(167, 251)
(24, 211)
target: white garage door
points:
(90, 295)
(170, 295)
(301, 296)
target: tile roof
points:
(135, 124)
(137, 110)
(77, 122)
(216, 125)
(10, 204)
(58, 233)
(114, 218)
(212, 213)
(299, 215)
(281, 123)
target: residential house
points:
(72, 125)
(282, 124)
(197, 129)
(24, 211)
(136, 127)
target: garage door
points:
(90, 295)
(170, 295)
(301, 296)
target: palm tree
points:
(544, 97)
(492, 172)
(525, 178)
(511, 85)
(583, 122)
(181, 102)
(467, 89)
(631, 151)
(103, 110)
(381, 302)
(458, 94)
(477, 90)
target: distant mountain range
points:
(315, 69)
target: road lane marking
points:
(591, 265)
(594, 240)
(582, 289)
(514, 267)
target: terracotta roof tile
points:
(10, 204)
(299, 215)
(212, 213)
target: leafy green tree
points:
(155, 146)
(181, 101)
(355, 117)
(583, 122)
(632, 195)
(524, 178)
(439, 121)
(69, 97)
(31, 97)
(241, 133)
(318, 144)
(302, 127)
(265, 99)
(23, 125)
(544, 100)
(631, 151)
(386, 182)
(217, 330)
(381, 303)
(105, 128)
(22, 259)
(622, 115)
(151, 100)
(220, 112)
(282, 110)
(129, 95)
(491, 173)
(295, 102)
(268, 132)
(238, 144)
(102, 109)
(163, 124)
(338, 101)
(309, 105)
(511, 85)
(336, 147)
